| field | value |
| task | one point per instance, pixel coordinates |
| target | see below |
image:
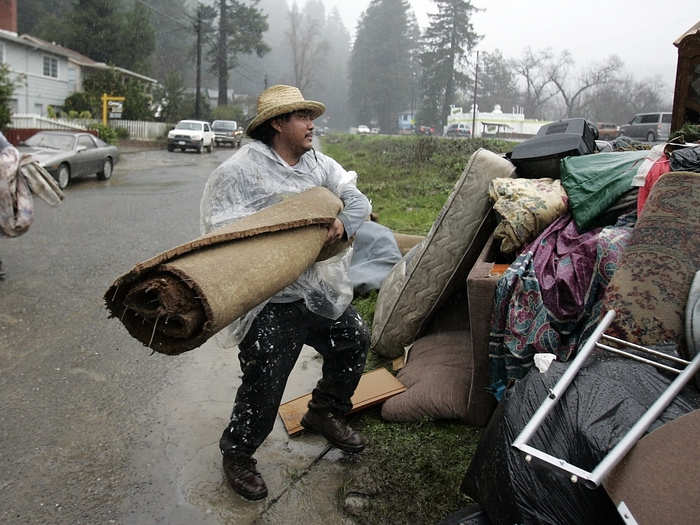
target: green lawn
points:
(411, 472)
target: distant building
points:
(496, 122)
(406, 122)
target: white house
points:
(495, 121)
(45, 73)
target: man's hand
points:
(335, 231)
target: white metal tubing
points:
(638, 358)
(651, 415)
(576, 472)
(563, 383)
(645, 349)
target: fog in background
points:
(640, 32)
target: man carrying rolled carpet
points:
(314, 310)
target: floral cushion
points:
(527, 207)
(650, 289)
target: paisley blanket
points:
(549, 299)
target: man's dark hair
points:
(265, 132)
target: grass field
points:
(411, 472)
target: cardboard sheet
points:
(658, 479)
(374, 387)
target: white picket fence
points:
(138, 129)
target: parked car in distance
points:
(374, 131)
(362, 129)
(227, 132)
(458, 130)
(195, 134)
(650, 126)
(425, 130)
(608, 130)
(67, 155)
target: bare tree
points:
(307, 45)
(593, 76)
(534, 68)
(618, 100)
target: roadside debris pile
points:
(20, 177)
(518, 268)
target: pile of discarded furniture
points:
(536, 256)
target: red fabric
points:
(660, 167)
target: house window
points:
(50, 67)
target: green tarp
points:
(595, 182)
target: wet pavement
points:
(95, 429)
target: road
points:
(95, 429)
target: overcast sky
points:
(640, 32)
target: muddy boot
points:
(334, 429)
(243, 477)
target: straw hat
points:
(280, 99)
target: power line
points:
(186, 24)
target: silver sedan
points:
(68, 155)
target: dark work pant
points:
(267, 355)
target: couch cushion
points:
(437, 377)
(416, 284)
(650, 288)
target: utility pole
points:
(476, 75)
(222, 54)
(197, 96)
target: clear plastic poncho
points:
(256, 177)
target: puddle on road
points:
(150, 186)
(177, 463)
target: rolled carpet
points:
(178, 299)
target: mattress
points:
(416, 284)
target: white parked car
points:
(362, 129)
(195, 134)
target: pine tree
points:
(497, 83)
(380, 63)
(240, 31)
(446, 44)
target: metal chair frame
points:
(595, 477)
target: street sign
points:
(112, 105)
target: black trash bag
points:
(686, 159)
(602, 403)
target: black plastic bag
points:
(686, 159)
(606, 398)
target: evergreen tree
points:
(94, 29)
(174, 40)
(102, 30)
(333, 90)
(252, 72)
(31, 14)
(496, 83)
(447, 41)
(240, 30)
(380, 63)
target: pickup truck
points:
(195, 134)
(227, 132)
